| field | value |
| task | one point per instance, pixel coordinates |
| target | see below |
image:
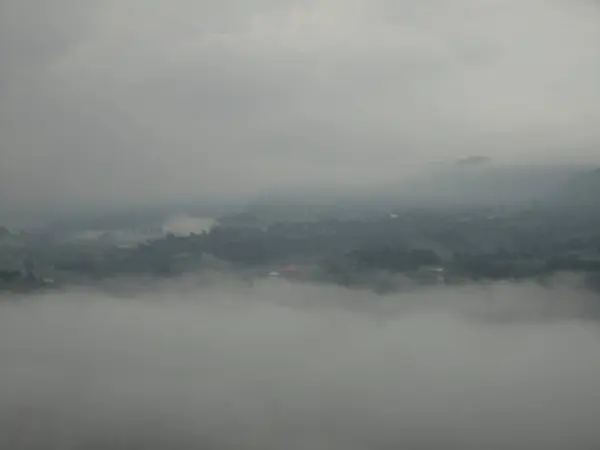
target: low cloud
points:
(278, 365)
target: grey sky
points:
(144, 100)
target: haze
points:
(129, 102)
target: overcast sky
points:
(144, 100)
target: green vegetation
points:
(378, 250)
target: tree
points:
(423, 257)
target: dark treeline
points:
(464, 244)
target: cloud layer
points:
(138, 101)
(301, 367)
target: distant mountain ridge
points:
(471, 182)
(488, 184)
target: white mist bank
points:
(301, 367)
(185, 225)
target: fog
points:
(183, 224)
(276, 365)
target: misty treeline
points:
(471, 244)
(353, 244)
